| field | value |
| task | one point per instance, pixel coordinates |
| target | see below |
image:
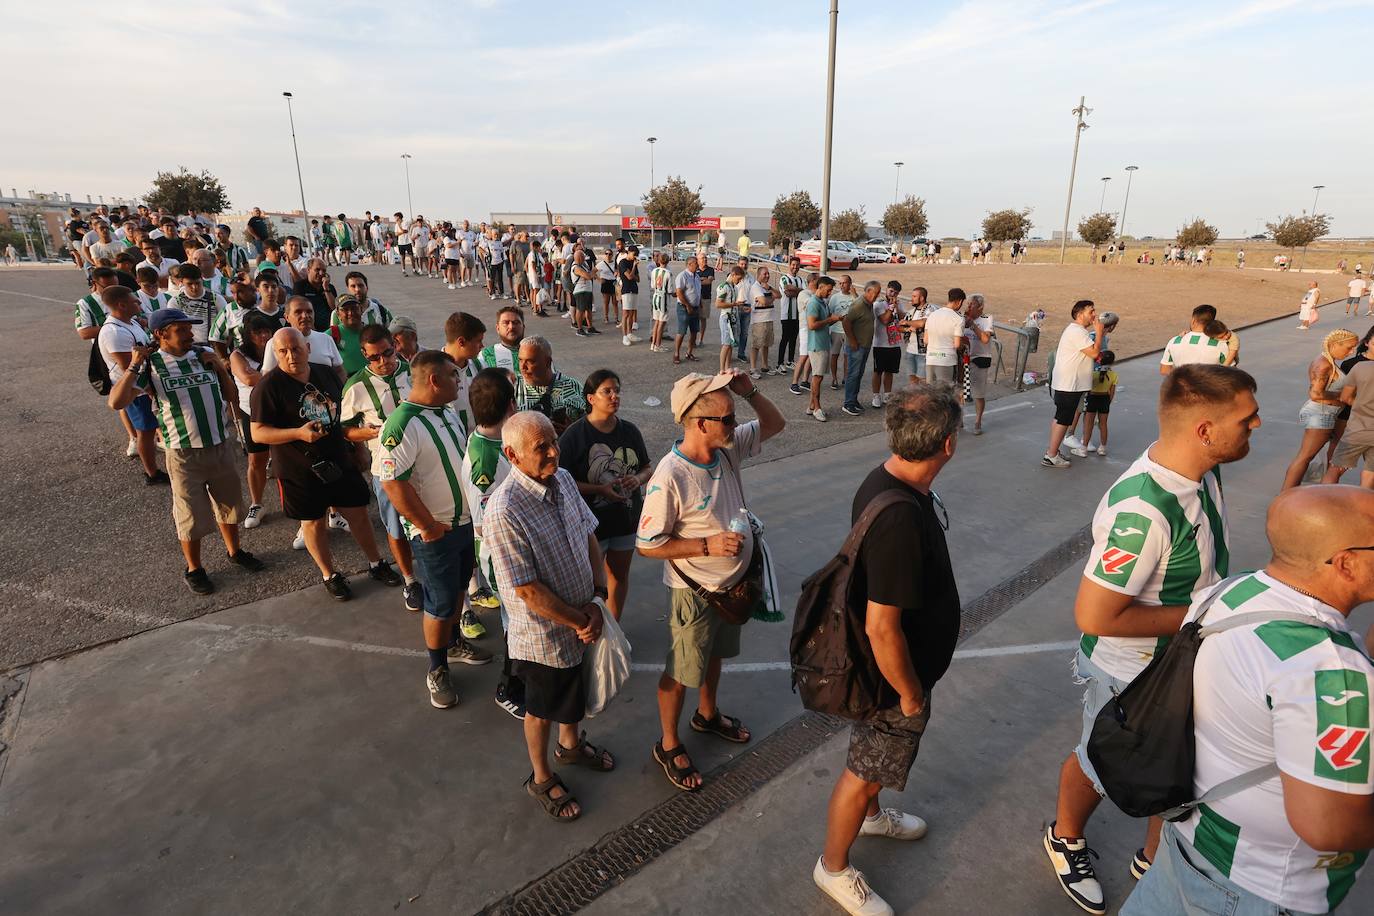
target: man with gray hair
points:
(543, 389)
(541, 539)
(858, 336)
(905, 592)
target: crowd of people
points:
(504, 484)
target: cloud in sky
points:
(1232, 110)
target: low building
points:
(629, 222)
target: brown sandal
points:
(553, 807)
(676, 775)
(585, 754)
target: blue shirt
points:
(819, 309)
(690, 286)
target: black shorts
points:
(450, 262)
(1098, 403)
(1066, 406)
(308, 500)
(608, 287)
(404, 249)
(246, 433)
(553, 694)
(582, 302)
(887, 359)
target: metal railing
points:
(1027, 342)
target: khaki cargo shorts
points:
(205, 490)
(697, 636)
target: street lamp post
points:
(1103, 201)
(305, 217)
(1318, 189)
(406, 157)
(896, 188)
(829, 138)
(1078, 129)
(1121, 228)
(651, 141)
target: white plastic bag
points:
(607, 666)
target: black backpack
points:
(97, 373)
(832, 662)
(1142, 741)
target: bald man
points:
(295, 410)
(1290, 693)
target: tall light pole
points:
(1078, 129)
(651, 141)
(299, 181)
(406, 157)
(1130, 173)
(1318, 189)
(896, 188)
(829, 138)
(1103, 201)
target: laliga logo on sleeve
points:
(1342, 697)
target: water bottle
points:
(740, 523)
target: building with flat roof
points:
(629, 222)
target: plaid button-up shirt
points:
(537, 533)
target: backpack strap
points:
(1222, 789)
(1256, 618)
(870, 514)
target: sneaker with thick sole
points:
(440, 685)
(635, 338)
(877, 401)
(132, 450)
(818, 414)
(298, 542)
(834, 386)
(796, 389)
(382, 572)
(254, 517)
(850, 890)
(157, 478)
(198, 582)
(852, 409)
(513, 707)
(1102, 451)
(485, 597)
(1072, 862)
(1139, 864)
(893, 823)
(247, 561)
(338, 521)
(1055, 461)
(1079, 452)
(465, 652)
(470, 626)
(1071, 441)
(625, 339)
(337, 586)
(414, 596)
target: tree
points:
(673, 204)
(1197, 234)
(1006, 226)
(1096, 230)
(1299, 231)
(906, 218)
(849, 225)
(181, 191)
(796, 214)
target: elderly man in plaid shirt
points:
(541, 539)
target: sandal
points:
(677, 360)
(676, 775)
(585, 754)
(693, 357)
(722, 726)
(553, 807)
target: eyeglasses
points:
(727, 420)
(385, 354)
(941, 513)
(1344, 549)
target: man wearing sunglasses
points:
(692, 507)
(1293, 694)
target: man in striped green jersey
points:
(187, 385)
(1159, 535)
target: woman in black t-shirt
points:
(607, 457)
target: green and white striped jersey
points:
(484, 466)
(219, 285)
(90, 312)
(151, 304)
(425, 446)
(187, 399)
(500, 356)
(236, 255)
(368, 399)
(460, 404)
(1190, 349)
(375, 313)
(227, 326)
(1158, 537)
(1283, 692)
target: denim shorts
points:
(1098, 687)
(1318, 416)
(444, 568)
(915, 364)
(617, 542)
(687, 324)
(391, 519)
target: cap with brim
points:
(691, 387)
(347, 299)
(402, 323)
(163, 317)
(224, 227)
(267, 266)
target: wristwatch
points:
(749, 395)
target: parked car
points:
(840, 257)
(883, 254)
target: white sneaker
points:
(1071, 442)
(254, 517)
(1055, 461)
(298, 543)
(634, 326)
(1079, 452)
(850, 890)
(451, 286)
(819, 414)
(338, 521)
(1102, 451)
(132, 450)
(893, 823)
(634, 338)
(877, 400)
(625, 339)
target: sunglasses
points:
(727, 420)
(385, 354)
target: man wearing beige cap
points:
(694, 518)
(407, 337)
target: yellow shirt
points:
(1103, 380)
(743, 246)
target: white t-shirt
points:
(913, 342)
(886, 335)
(756, 291)
(452, 248)
(976, 347)
(1194, 348)
(119, 337)
(1356, 286)
(468, 239)
(1073, 369)
(944, 327)
(323, 352)
(163, 268)
(1286, 693)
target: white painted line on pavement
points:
(1018, 404)
(15, 292)
(994, 652)
(90, 607)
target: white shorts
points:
(629, 301)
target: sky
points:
(1231, 109)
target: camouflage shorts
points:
(882, 748)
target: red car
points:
(809, 253)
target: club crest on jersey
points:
(1125, 542)
(1342, 725)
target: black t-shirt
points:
(707, 276)
(171, 247)
(280, 401)
(904, 562)
(624, 269)
(317, 301)
(592, 456)
(260, 228)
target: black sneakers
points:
(337, 586)
(1072, 861)
(198, 582)
(514, 707)
(414, 595)
(157, 478)
(467, 653)
(382, 572)
(247, 561)
(1139, 864)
